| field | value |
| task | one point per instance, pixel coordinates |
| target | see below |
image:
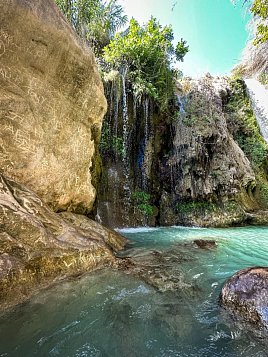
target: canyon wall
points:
(51, 109)
(203, 163)
(51, 105)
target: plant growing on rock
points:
(141, 200)
(147, 53)
(195, 207)
(246, 132)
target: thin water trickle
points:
(144, 184)
(109, 313)
(126, 161)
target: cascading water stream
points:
(259, 99)
(126, 163)
(116, 109)
(146, 138)
(181, 101)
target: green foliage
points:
(146, 209)
(147, 54)
(181, 50)
(260, 10)
(254, 149)
(139, 197)
(248, 135)
(263, 78)
(96, 21)
(195, 207)
(141, 200)
(263, 193)
(111, 144)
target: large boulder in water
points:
(51, 105)
(39, 246)
(245, 295)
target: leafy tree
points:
(96, 21)
(260, 10)
(181, 50)
(148, 53)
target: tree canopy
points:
(260, 10)
(148, 53)
(96, 21)
(145, 52)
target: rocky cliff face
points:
(206, 168)
(200, 164)
(51, 105)
(51, 110)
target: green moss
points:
(111, 145)
(141, 200)
(140, 197)
(262, 192)
(246, 133)
(195, 207)
(146, 209)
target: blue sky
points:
(215, 30)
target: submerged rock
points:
(205, 243)
(51, 105)
(245, 296)
(162, 270)
(39, 247)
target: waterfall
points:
(181, 132)
(146, 138)
(146, 116)
(126, 161)
(259, 98)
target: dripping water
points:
(146, 138)
(181, 102)
(126, 162)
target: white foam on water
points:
(137, 230)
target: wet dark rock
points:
(205, 243)
(245, 296)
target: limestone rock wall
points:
(186, 166)
(51, 105)
(207, 161)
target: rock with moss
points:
(211, 177)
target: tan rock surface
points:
(39, 247)
(51, 104)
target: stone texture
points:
(51, 105)
(205, 243)
(208, 161)
(206, 165)
(245, 296)
(39, 246)
(190, 165)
